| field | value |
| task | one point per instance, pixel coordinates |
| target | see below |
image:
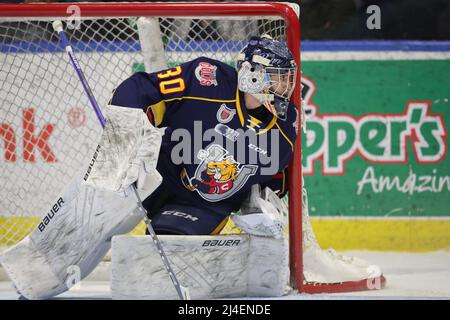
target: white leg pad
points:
(211, 267)
(20, 263)
(73, 242)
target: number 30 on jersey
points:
(173, 83)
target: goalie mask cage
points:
(47, 122)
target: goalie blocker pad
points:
(211, 267)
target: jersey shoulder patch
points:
(213, 78)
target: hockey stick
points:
(183, 292)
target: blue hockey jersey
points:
(213, 149)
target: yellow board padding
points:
(139, 230)
(14, 229)
(390, 234)
(408, 235)
(230, 228)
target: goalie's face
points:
(281, 85)
(282, 81)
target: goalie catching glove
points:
(126, 151)
(262, 214)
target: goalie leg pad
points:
(210, 266)
(75, 237)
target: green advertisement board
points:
(376, 140)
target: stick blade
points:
(185, 293)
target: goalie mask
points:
(266, 69)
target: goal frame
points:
(190, 9)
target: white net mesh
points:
(48, 128)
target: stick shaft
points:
(80, 74)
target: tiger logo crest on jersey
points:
(218, 176)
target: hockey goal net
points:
(47, 123)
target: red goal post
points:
(195, 10)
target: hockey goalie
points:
(200, 142)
